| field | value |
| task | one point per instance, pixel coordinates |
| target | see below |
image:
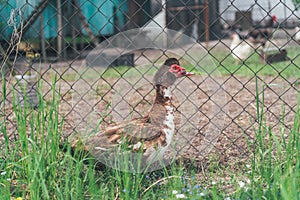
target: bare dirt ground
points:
(215, 114)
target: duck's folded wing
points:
(133, 133)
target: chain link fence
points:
(243, 53)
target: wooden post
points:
(164, 13)
(59, 30)
(196, 22)
(74, 34)
(43, 46)
(136, 14)
(132, 9)
(206, 22)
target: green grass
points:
(254, 66)
(36, 166)
(275, 167)
(217, 62)
(94, 73)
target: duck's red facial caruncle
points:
(179, 71)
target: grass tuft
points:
(34, 166)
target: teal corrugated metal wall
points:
(49, 14)
(122, 7)
(100, 16)
(50, 20)
(5, 11)
(98, 13)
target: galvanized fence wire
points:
(52, 38)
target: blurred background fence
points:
(244, 40)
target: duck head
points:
(169, 72)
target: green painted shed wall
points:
(98, 13)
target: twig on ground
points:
(158, 181)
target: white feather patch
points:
(169, 122)
(167, 92)
(137, 146)
(158, 154)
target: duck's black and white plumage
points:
(153, 133)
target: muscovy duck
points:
(151, 134)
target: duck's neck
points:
(164, 98)
(162, 109)
(163, 95)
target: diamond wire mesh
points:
(65, 40)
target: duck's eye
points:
(175, 68)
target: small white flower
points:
(202, 194)
(2, 173)
(213, 183)
(241, 184)
(248, 166)
(174, 192)
(180, 196)
(227, 198)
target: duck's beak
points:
(183, 72)
(180, 71)
(188, 73)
